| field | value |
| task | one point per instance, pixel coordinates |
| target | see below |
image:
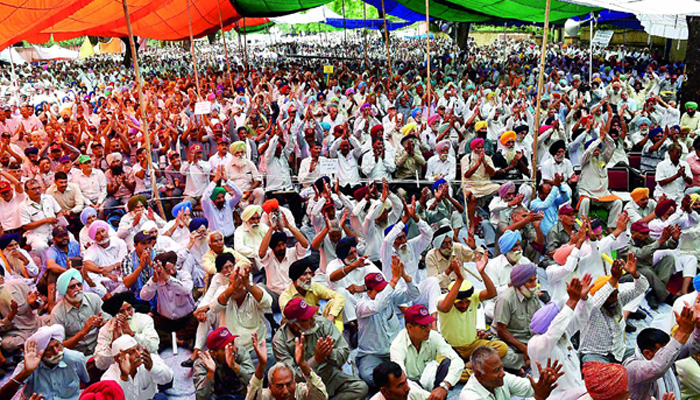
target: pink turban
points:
(562, 253)
(505, 188)
(442, 145)
(95, 226)
(543, 128)
(432, 119)
(476, 142)
(45, 334)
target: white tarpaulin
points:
(55, 52)
(318, 14)
(666, 26)
(652, 7)
(16, 58)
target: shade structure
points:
(396, 9)
(666, 26)
(37, 20)
(369, 24)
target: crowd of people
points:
(273, 220)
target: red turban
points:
(103, 390)
(476, 142)
(376, 130)
(604, 381)
(360, 193)
(270, 205)
(663, 207)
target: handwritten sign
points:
(602, 38)
(328, 166)
(202, 107)
(327, 69)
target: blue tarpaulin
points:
(397, 9)
(370, 23)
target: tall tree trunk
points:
(127, 54)
(462, 33)
(691, 87)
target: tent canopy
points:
(370, 23)
(318, 14)
(55, 52)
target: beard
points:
(509, 154)
(403, 251)
(238, 161)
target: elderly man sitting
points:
(125, 321)
(16, 262)
(136, 370)
(80, 313)
(18, 309)
(48, 369)
(249, 236)
(514, 310)
(107, 251)
(132, 222)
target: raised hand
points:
(482, 262)
(573, 289)
(631, 265)
(208, 361)
(260, 348)
(548, 377)
(32, 357)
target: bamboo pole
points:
(194, 57)
(540, 84)
(427, 46)
(142, 106)
(345, 30)
(223, 37)
(364, 5)
(386, 40)
(245, 45)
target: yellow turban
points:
(639, 193)
(250, 211)
(481, 124)
(599, 283)
(694, 198)
(408, 128)
(506, 136)
(237, 146)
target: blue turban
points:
(543, 318)
(436, 184)
(643, 120)
(197, 222)
(390, 227)
(8, 238)
(64, 280)
(655, 132)
(326, 126)
(696, 283)
(522, 273)
(588, 143)
(182, 206)
(508, 240)
(342, 249)
(87, 213)
(319, 182)
(676, 127)
(415, 112)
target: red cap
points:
(418, 314)
(298, 309)
(567, 209)
(641, 227)
(218, 127)
(224, 140)
(195, 148)
(375, 281)
(219, 338)
(56, 147)
(5, 187)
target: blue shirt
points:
(60, 382)
(61, 257)
(221, 220)
(550, 207)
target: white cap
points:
(122, 343)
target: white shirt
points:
(9, 217)
(307, 177)
(512, 386)
(674, 190)
(348, 169)
(448, 168)
(551, 167)
(93, 187)
(378, 170)
(278, 172)
(144, 385)
(30, 211)
(416, 393)
(276, 271)
(144, 333)
(354, 277)
(197, 177)
(216, 160)
(413, 362)
(105, 256)
(245, 319)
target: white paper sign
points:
(202, 107)
(328, 166)
(602, 38)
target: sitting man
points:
(514, 310)
(175, 304)
(416, 348)
(593, 185)
(603, 337)
(16, 263)
(394, 384)
(39, 214)
(445, 251)
(248, 237)
(137, 267)
(106, 253)
(136, 370)
(283, 385)
(19, 306)
(500, 268)
(216, 246)
(48, 369)
(223, 370)
(301, 272)
(641, 208)
(125, 321)
(324, 348)
(79, 313)
(657, 270)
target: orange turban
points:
(270, 205)
(604, 381)
(639, 193)
(506, 136)
(600, 282)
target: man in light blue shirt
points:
(378, 323)
(218, 205)
(56, 374)
(549, 198)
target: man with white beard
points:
(641, 136)
(409, 251)
(248, 237)
(196, 248)
(245, 174)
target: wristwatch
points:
(444, 386)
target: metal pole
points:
(590, 52)
(427, 46)
(386, 40)
(540, 85)
(142, 106)
(194, 57)
(223, 37)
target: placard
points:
(202, 107)
(328, 166)
(327, 69)
(602, 38)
